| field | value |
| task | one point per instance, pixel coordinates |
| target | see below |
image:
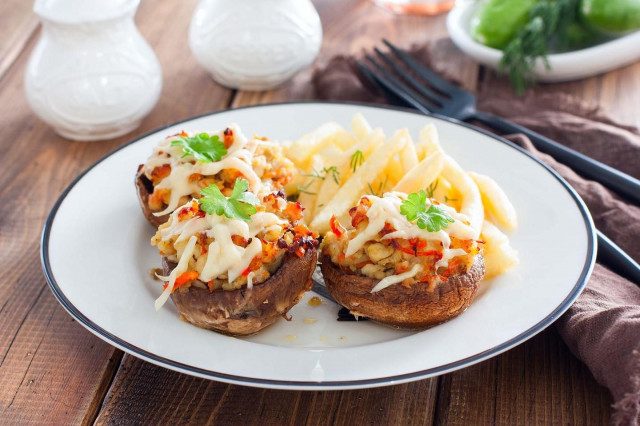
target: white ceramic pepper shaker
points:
(91, 75)
(255, 44)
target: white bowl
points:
(564, 66)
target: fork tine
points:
(388, 85)
(402, 87)
(420, 87)
(434, 79)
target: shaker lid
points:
(78, 11)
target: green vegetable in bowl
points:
(547, 24)
(528, 30)
(577, 36)
(611, 17)
(498, 21)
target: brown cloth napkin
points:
(602, 328)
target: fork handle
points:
(617, 259)
(616, 180)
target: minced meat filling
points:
(382, 258)
(276, 241)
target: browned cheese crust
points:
(414, 307)
(144, 188)
(243, 311)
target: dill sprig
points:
(356, 160)
(381, 187)
(431, 189)
(547, 24)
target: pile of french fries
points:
(336, 167)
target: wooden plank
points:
(538, 382)
(146, 394)
(51, 369)
(18, 25)
(614, 91)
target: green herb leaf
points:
(305, 188)
(356, 160)
(315, 174)
(431, 189)
(241, 204)
(432, 219)
(547, 24)
(335, 174)
(382, 185)
(203, 147)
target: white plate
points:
(564, 66)
(97, 257)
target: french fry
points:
(445, 193)
(390, 176)
(331, 133)
(350, 192)
(408, 155)
(496, 201)
(310, 187)
(421, 176)
(330, 153)
(360, 127)
(498, 254)
(428, 141)
(344, 168)
(343, 139)
(471, 201)
(297, 182)
(395, 170)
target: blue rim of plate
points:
(380, 381)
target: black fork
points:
(436, 95)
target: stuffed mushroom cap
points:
(184, 163)
(404, 260)
(235, 275)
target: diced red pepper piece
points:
(336, 227)
(184, 278)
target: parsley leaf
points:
(203, 147)
(415, 207)
(241, 204)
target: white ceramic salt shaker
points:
(255, 44)
(91, 75)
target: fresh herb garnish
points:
(304, 188)
(203, 147)
(415, 207)
(431, 189)
(241, 204)
(316, 174)
(381, 187)
(335, 174)
(548, 22)
(356, 160)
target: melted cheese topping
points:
(183, 264)
(239, 156)
(387, 210)
(222, 254)
(394, 279)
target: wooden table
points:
(54, 371)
